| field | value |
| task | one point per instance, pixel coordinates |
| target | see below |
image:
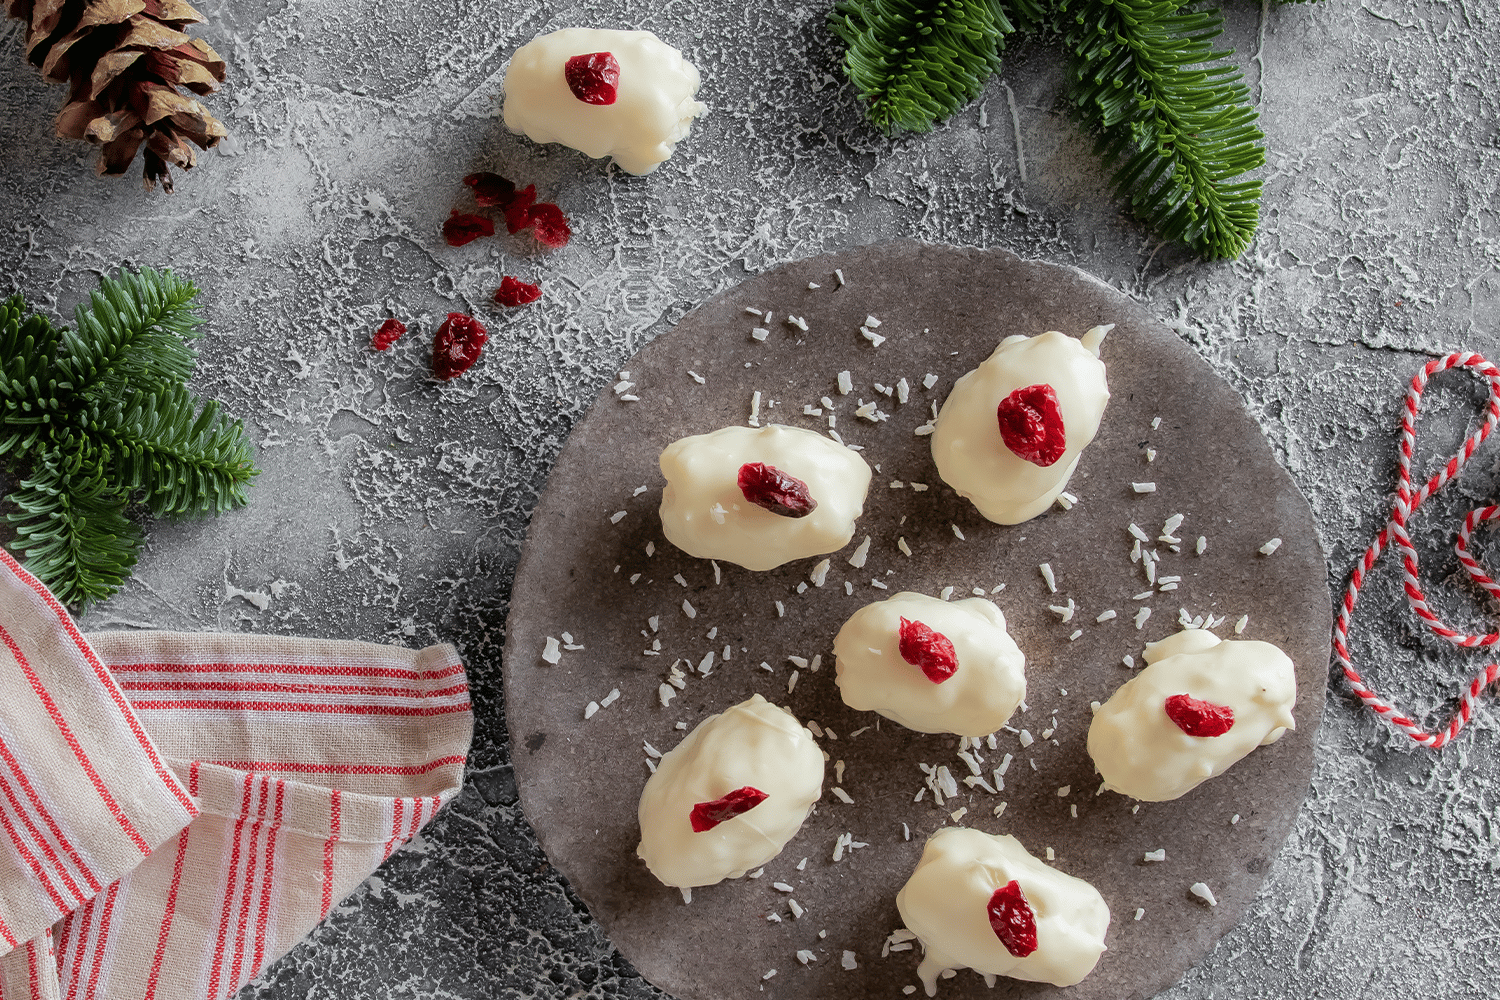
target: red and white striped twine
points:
(1406, 505)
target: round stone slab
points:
(597, 568)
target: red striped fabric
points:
(180, 810)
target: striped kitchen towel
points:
(177, 811)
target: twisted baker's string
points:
(1406, 505)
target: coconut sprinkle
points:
(1160, 854)
(1203, 892)
(1270, 547)
(755, 408)
(798, 322)
(797, 911)
(901, 544)
(1105, 616)
(1066, 500)
(590, 709)
(791, 682)
(1050, 577)
(1140, 535)
(1140, 617)
(552, 653)
(846, 383)
(1143, 487)
(1239, 626)
(843, 796)
(849, 961)
(1063, 612)
(1140, 912)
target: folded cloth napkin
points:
(177, 811)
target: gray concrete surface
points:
(393, 508)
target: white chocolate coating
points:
(653, 109)
(754, 743)
(1142, 753)
(946, 900)
(976, 700)
(970, 454)
(704, 513)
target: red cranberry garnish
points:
(1012, 919)
(767, 486)
(1031, 424)
(594, 78)
(707, 815)
(923, 647)
(1197, 717)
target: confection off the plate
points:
(980, 901)
(1201, 705)
(1011, 432)
(713, 508)
(879, 671)
(729, 796)
(623, 94)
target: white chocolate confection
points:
(946, 904)
(1141, 752)
(653, 108)
(967, 446)
(704, 513)
(752, 744)
(975, 700)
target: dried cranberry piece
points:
(1031, 424)
(1197, 717)
(550, 226)
(518, 212)
(594, 78)
(767, 486)
(491, 190)
(707, 815)
(457, 344)
(515, 292)
(1012, 919)
(923, 647)
(466, 228)
(390, 331)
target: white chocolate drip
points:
(704, 513)
(970, 454)
(945, 903)
(753, 743)
(1141, 752)
(977, 699)
(653, 109)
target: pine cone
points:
(125, 60)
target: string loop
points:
(1394, 533)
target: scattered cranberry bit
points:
(491, 190)
(515, 292)
(518, 211)
(767, 486)
(1197, 717)
(923, 647)
(524, 211)
(594, 78)
(1032, 425)
(457, 345)
(707, 815)
(1012, 919)
(466, 228)
(550, 226)
(390, 331)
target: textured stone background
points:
(393, 508)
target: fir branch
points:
(1143, 76)
(919, 61)
(29, 394)
(184, 455)
(134, 330)
(91, 417)
(73, 534)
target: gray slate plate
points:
(943, 310)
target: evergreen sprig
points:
(96, 417)
(918, 61)
(1168, 110)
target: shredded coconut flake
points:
(1203, 892)
(1105, 616)
(843, 796)
(552, 653)
(1141, 615)
(1160, 854)
(1143, 487)
(846, 383)
(1239, 626)
(1270, 546)
(901, 544)
(689, 610)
